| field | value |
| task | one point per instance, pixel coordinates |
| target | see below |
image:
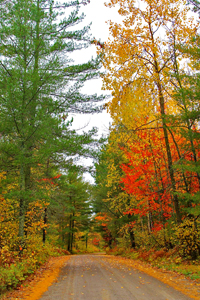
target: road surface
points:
(96, 277)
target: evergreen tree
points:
(108, 195)
(40, 87)
(186, 94)
(72, 207)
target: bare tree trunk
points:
(45, 222)
(164, 125)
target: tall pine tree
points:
(39, 87)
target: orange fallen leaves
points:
(177, 281)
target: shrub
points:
(188, 238)
(11, 277)
(15, 268)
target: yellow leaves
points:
(112, 174)
(8, 226)
(138, 56)
(34, 217)
(188, 237)
(2, 176)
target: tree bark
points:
(45, 222)
(164, 125)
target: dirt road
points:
(95, 277)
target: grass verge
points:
(162, 259)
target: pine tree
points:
(186, 94)
(72, 207)
(40, 87)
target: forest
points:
(146, 191)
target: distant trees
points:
(72, 207)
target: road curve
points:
(95, 277)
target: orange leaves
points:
(95, 241)
(51, 179)
(102, 218)
(98, 43)
(146, 174)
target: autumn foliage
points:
(152, 183)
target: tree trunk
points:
(45, 222)
(169, 156)
(72, 235)
(22, 204)
(132, 238)
(164, 125)
(69, 234)
(86, 241)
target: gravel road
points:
(95, 277)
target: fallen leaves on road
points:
(34, 287)
(179, 282)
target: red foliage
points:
(50, 179)
(147, 176)
(95, 242)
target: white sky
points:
(97, 14)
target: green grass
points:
(161, 259)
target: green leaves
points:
(39, 88)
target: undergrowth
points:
(162, 259)
(83, 250)
(16, 266)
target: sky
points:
(97, 14)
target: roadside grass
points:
(36, 284)
(162, 259)
(15, 267)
